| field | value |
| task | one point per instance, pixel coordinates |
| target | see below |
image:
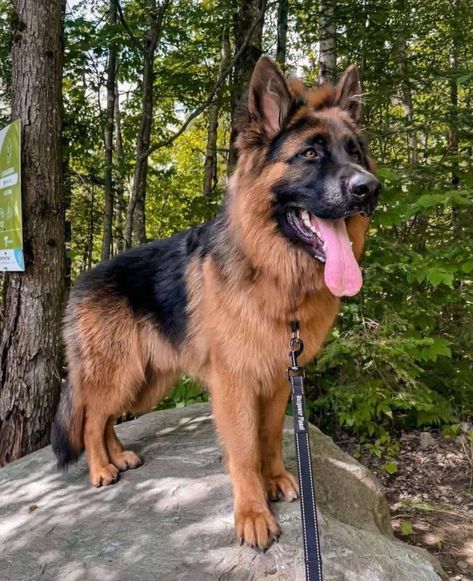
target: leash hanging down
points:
(310, 532)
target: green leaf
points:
(437, 276)
(390, 467)
(406, 528)
(467, 266)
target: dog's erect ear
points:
(269, 99)
(348, 93)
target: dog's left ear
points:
(269, 99)
(348, 93)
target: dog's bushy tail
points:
(67, 431)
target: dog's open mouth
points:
(301, 222)
(328, 242)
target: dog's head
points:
(306, 146)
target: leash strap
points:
(310, 532)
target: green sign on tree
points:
(11, 233)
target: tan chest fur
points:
(247, 329)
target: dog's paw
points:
(104, 476)
(256, 527)
(126, 460)
(282, 487)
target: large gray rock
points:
(172, 518)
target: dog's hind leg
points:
(155, 387)
(119, 457)
(101, 471)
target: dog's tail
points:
(67, 431)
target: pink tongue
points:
(342, 273)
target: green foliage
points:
(406, 528)
(400, 356)
(184, 393)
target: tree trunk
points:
(107, 237)
(283, 9)
(136, 218)
(120, 209)
(248, 14)
(406, 99)
(89, 250)
(67, 189)
(327, 60)
(453, 125)
(210, 164)
(30, 347)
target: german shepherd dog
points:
(216, 301)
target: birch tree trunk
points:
(210, 164)
(327, 60)
(107, 237)
(30, 346)
(136, 218)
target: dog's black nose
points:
(364, 186)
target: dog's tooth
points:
(305, 216)
(324, 247)
(307, 223)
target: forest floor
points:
(430, 496)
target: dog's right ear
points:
(348, 93)
(269, 99)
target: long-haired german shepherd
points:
(217, 301)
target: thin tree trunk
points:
(453, 145)
(90, 231)
(30, 347)
(283, 9)
(406, 99)
(210, 164)
(136, 218)
(249, 14)
(67, 187)
(421, 220)
(107, 237)
(120, 209)
(327, 60)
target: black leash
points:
(310, 531)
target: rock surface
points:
(172, 518)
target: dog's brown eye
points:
(310, 153)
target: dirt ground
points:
(430, 495)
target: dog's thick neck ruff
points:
(280, 267)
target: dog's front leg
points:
(280, 484)
(236, 414)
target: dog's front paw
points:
(256, 526)
(282, 487)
